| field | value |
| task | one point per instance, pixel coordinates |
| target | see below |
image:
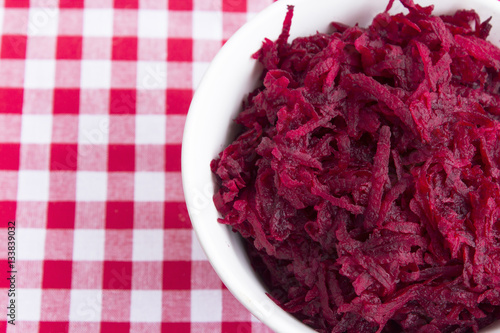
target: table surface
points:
(93, 100)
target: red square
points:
(10, 156)
(180, 4)
(176, 216)
(13, 47)
(176, 275)
(53, 326)
(11, 100)
(8, 210)
(117, 275)
(121, 158)
(176, 327)
(115, 327)
(173, 158)
(122, 101)
(119, 215)
(63, 156)
(234, 6)
(126, 4)
(57, 274)
(17, 3)
(4, 266)
(236, 327)
(124, 48)
(69, 47)
(66, 101)
(61, 215)
(180, 49)
(71, 3)
(178, 101)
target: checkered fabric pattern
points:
(93, 101)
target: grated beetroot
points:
(366, 175)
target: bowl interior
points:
(209, 129)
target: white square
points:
(39, 73)
(207, 25)
(148, 245)
(152, 23)
(199, 69)
(33, 185)
(91, 186)
(145, 306)
(88, 244)
(29, 302)
(149, 186)
(31, 243)
(43, 21)
(93, 129)
(95, 74)
(150, 129)
(197, 253)
(85, 305)
(151, 75)
(206, 306)
(36, 128)
(97, 22)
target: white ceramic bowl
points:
(209, 129)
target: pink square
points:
(173, 187)
(145, 327)
(176, 306)
(258, 5)
(146, 275)
(175, 128)
(124, 22)
(38, 101)
(62, 186)
(55, 305)
(203, 276)
(86, 275)
(34, 157)
(121, 186)
(90, 215)
(205, 327)
(94, 101)
(232, 309)
(98, 3)
(15, 21)
(148, 215)
(12, 73)
(10, 128)
(70, 22)
(118, 245)
(96, 48)
(152, 49)
(177, 244)
(68, 73)
(92, 157)
(151, 102)
(32, 273)
(23, 326)
(41, 47)
(123, 74)
(212, 5)
(64, 129)
(32, 213)
(8, 187)
(79, 327)
(116, 305)
(180, 75)
(205, 50)
(152, 4)
(58, 244)
(121, 129)
(149, 158)
(180, 23)
(231, 22)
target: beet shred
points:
(365, 178)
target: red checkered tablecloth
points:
(93, 100)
